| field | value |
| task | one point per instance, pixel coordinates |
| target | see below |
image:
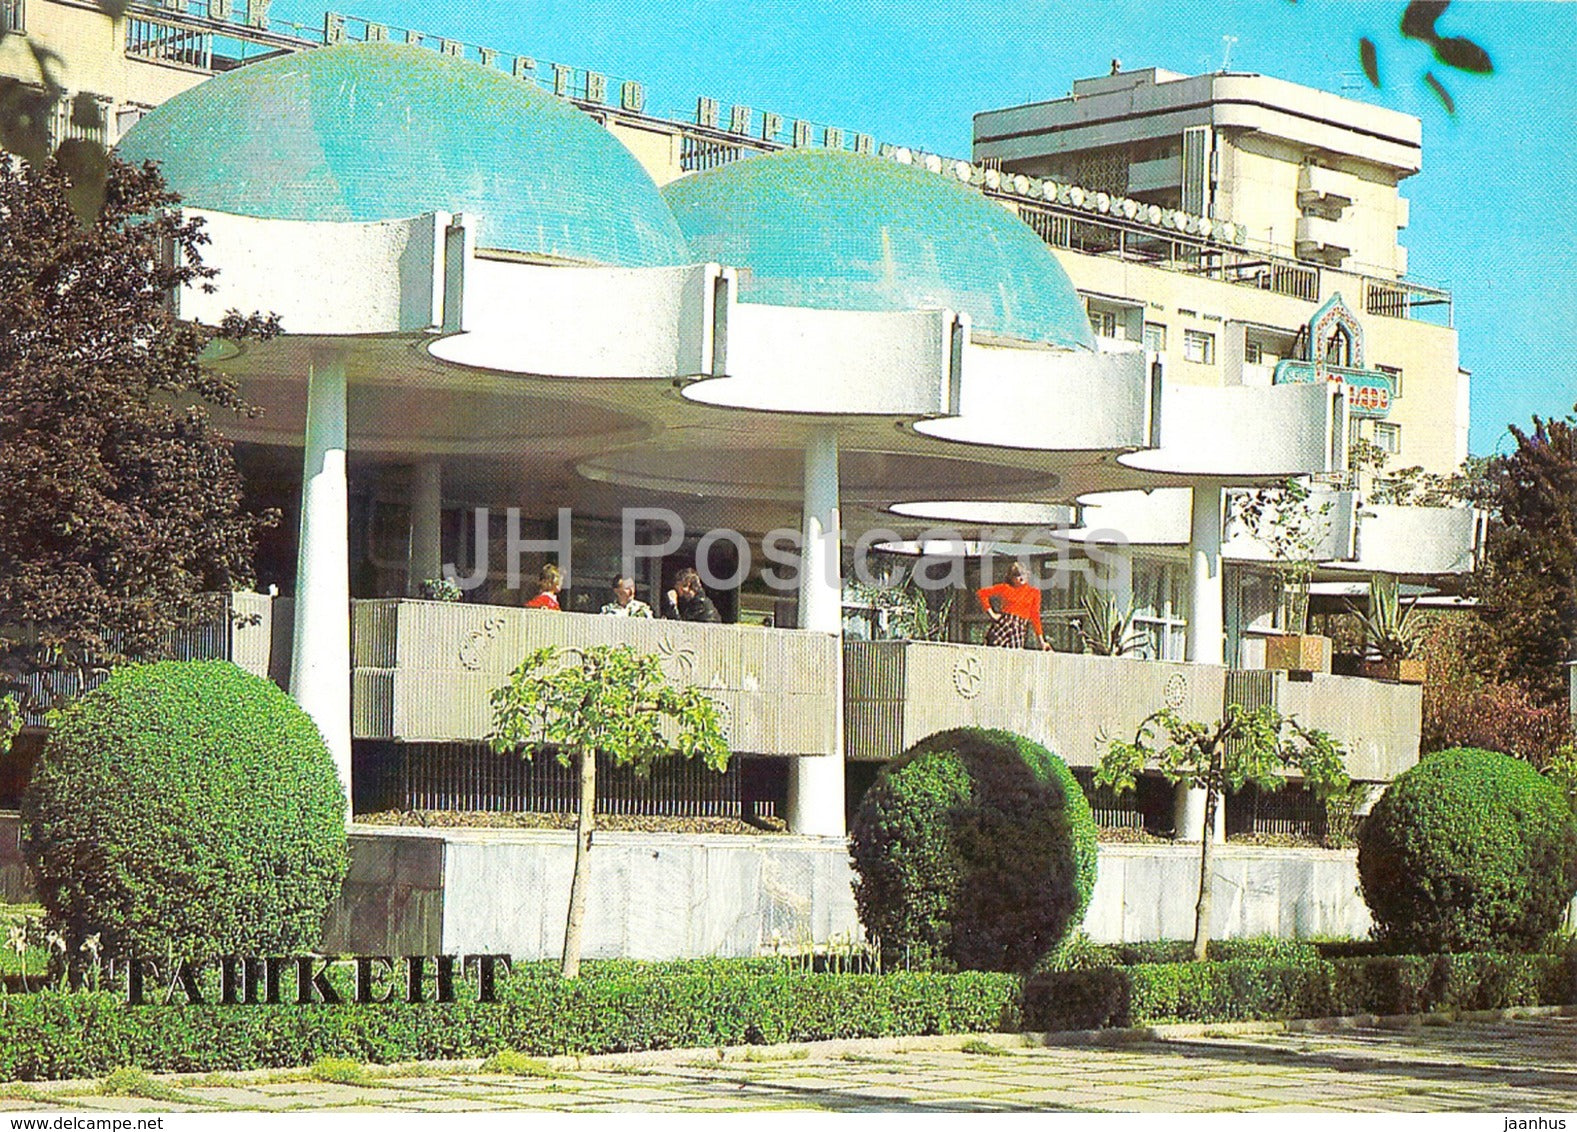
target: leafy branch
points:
(1455, 51)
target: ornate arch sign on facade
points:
(1334, 352)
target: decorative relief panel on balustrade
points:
(423, 670)
(901, 691)
(898, 692)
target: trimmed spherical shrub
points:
(186, 808)
(973, 849)
(1468, 851)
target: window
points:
(11, 17)
(1155, 337)
(1199, 347)
(1104, 323)
(1395, 374)
(1338, 348)
(1160, 597)
(1252, 354)
(1388, 437)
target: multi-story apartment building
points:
(1309, 183)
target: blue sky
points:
(1494, 212)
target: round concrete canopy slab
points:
(382, 131)
(841, 231)
(986, 513)
(697, 460)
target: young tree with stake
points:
(1259, 746)
(608, 699)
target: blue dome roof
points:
(365, 132)
(822, 228)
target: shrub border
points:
(624, 1007)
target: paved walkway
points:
(1523, 1065)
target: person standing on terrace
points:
(549, 582)
(1014, 609)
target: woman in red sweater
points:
(549, 582)
(1014, 607)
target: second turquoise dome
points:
(832, 230)
(370, 132)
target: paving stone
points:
(233, 1095)
(452, 1104)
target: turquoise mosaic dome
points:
(365, 132)
(834, 230)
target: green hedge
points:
(54, 1034)
(186, 807)
(1269, 989)
(974, 850)
(616, 1007)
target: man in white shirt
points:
(625, 603)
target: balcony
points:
(1323, 239)
(898, 692)
(1325, 188)
(422, 671)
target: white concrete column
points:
(1207, 613)
(815, 794)
(1188, 814)
(1206, 638)
(320, 658)
(426, 547)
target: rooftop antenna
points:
(1226, 52)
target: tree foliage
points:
(1259, 746)
(1292, 525)
(1458, 52)
(608, 699)
(1528, 588)
(122, 501)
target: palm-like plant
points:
(1106, 629)
(1390, 630)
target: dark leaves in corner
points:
(1464, 55)
(1441, 93)
(1418, 21)
(1370, 58)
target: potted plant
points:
(1293, 527)
(1391, 636)
(1107, 629)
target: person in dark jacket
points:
(687, 601)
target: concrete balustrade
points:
(898, 692)
(423, 670)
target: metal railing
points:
(1075, 230)
(1291, 811)
(471, 776)
(165, 42)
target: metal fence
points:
(162, 42)
(1291, 811)
(471, 776)
(206, 637)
